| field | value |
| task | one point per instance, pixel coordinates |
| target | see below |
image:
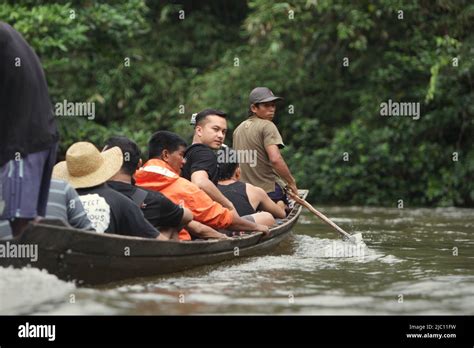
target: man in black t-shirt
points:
(87, 170)
(112, 212)
(201, 165)
(157, 208)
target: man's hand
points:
(294, 196)
(264, 229)
(292, 187)
(260, 228)
(222, 236)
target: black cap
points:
(262, 95)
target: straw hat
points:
(85, 166)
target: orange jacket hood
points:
(147, 175)
(157, 175)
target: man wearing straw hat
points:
(87, 170)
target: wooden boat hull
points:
(90, 258)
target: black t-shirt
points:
(156, 207)
(112, 212)
(201, 157)
(27, 121)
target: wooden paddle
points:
(354, 238)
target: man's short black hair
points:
(201, 116)
(131, 152)
(164, 140)
(227, 169)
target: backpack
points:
(139, 197)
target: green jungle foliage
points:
(334, 62)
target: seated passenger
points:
(87, 170)
(161, 173)
(246, 198)
(63, 203)
(202, 167)
(157, 208)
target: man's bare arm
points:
(240, 224)
(187, 217)
(268, 205)
(203, 231)
(279, 164)
(201, 179)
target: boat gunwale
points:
(63, 239)
(54, 225)
(69, 257)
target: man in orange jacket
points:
(161, 173)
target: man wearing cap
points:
(87, 170)
(259, 133)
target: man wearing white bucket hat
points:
(87, 170)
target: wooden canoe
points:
(90, 258)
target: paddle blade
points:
(355, 238)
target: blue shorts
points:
(24, 185)
(278, 195)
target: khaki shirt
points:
(255, 134)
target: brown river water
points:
(414, 261)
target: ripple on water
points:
(408, 251)
(273, 273)
(324, 280)
(440, 286)
(332, 250)
(435, 295)
(390, 259)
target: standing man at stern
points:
(28, 133)
(259, 133)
